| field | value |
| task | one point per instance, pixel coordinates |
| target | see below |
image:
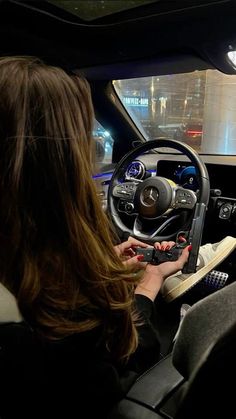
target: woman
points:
(78, 318)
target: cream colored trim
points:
(9, 311)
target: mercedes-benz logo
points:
(150, 196)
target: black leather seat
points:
(207, 390)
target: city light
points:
(232, 58)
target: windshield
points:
(197, 108)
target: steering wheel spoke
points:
(155, 231)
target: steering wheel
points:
(157, 203)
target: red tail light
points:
(193, 133)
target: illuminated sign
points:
(135, 101)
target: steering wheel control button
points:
(225, 211)
(123, 190)
(121, 205)
(184, 199)
(129, 207)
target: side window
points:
(103, 143)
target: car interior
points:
(163, 81)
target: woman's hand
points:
(154, 275)
(126, 251)
(169, 268)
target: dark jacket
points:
(71, 378)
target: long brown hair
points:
(56, 246)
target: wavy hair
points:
(56, 254)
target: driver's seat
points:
(197, 380)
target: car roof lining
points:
(95, 10)
(136, 47)
(153, 8)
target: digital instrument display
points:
(185, 174)
(181, 173)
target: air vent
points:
(136, 170)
